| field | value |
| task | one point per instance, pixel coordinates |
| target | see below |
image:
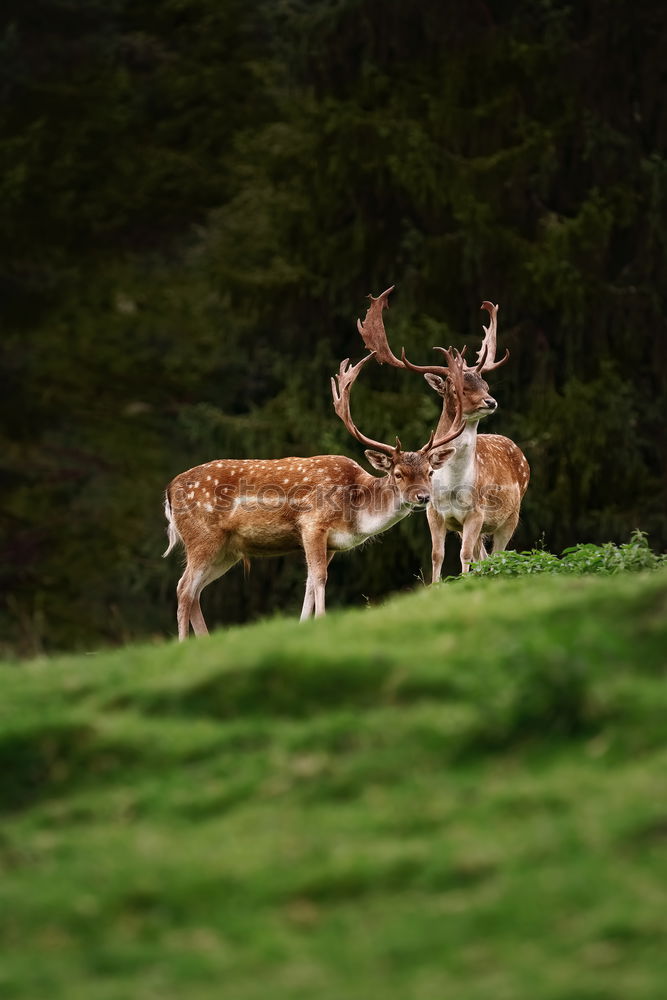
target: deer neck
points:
(383, 508)
(460, 472)
(377, 508)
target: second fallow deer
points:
(479, 492)
(233, 509)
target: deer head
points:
(409, 472)
(476, 400)
(493, 463)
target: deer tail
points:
(172, 531)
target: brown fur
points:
(489, 470)
(501, 477)
(230, 510)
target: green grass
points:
(458, 794)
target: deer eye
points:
(430, 473)
(398, 475)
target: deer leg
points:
(472, 527)
(437, 525)
(480, 550)
(317, 560)
(190, 586)
(504, 533)
(308, 601)
(309, 598)
(197, 618)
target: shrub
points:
(577, 560)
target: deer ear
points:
(436, 383)
(379, 460)
(438, 457)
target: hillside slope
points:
(460, 793)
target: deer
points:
(230, 510)
(479, 492)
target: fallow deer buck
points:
(479, 492)
(233, 509)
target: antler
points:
(373, 332)
(486, 356)
(455, 371)
(375, 338)
(442, 370)
(340, 390)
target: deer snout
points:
(422, 496)
(490, 403)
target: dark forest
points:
(198, 195)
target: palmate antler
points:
(340, 390)
(345, 379)
(373, 332)
(375, 338)
(486, 356)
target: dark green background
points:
(196, 196)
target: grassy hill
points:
(459, 794)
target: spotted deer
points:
(479, 492)
(230, 510)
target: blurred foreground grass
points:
(459, 794)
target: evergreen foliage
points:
(197, 195)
